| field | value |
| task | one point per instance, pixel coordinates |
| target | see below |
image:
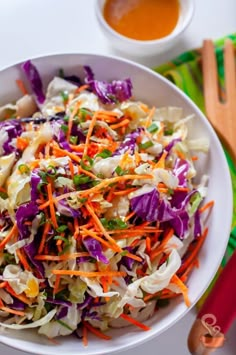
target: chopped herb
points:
(62, 228)
(51, 171)
(73, 140)
(66, 118)
(106, 153)
(124, 252)
(168, 132)
(64, 128)
(153, 128)
(59, 237)
(65, 96)
(61, 73)
(112, 224)
(81, 179)
(84, 114)
(23, 169)
(146, 145)
(119, 171)
(3, 195)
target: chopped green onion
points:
(119, 171)
(3, 195)
(66, 118)
(64, 128)
(106, 153)
(73, 140)
(81, 179)
(65, 96)
(83, 113)
(112, 224)
(51, 171)
(61, 73)
(23, 169)
(59, 237)
(168, 132)
(146, 145)
(153, 128)
(62, 228)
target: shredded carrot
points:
(182, 189)
(95, 236)
(89, 273)
(3, 284)
(21, 296)
(135, 322)
(81, 88)
(194, 158)
(134, 257)
(96, 332)
(194, 252)
(123, 123)
(44, 205)
(148, 245)
(161, 247)
(183, 288)
(1, 303)
(125, 192)
(129, 216)
(60, 152)
(21, 86)
(13, 311)
(63, 257)
(51, 206)
(3, 190)
(208, 205)
(44, 236)
(23, 260)
(161, 162)
(88, 173)
(90, 131)
(9, 236)
(71, 167)
(150, 116)
(105, 183)
(21, 143)
(85, 335)
(101, 227)
(56, 284)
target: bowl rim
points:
(146, 43)
(146, 335)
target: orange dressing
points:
(142, 19)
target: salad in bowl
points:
(102, 216)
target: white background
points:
(30, 28)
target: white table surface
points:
(31, 28)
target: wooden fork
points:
(222, 115)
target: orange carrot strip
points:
(8, 237)
(161, 162)
(134, 257)
(63, 153)
(23, 260)
(88, 173)
(90, 131)
(135, 322)
(21, 143)
(150, 115)
(21, 86)
(71, 167)
(184, 290)
(44, 236)
(105, 183)
(130, 215)
(81, 88)
(44, 205)
(123, 123)
(85, 335)
(21, 296)
(56, 284)
(95, 236)
(96, 332)
(13, 311)
(148, 244)
(125, 192)
(3, 190)
(209, 204)
(101, 227)
(51, 206)
(3, 284)
(194, 158)
(194, 252)
(89, 273)
(61, 257)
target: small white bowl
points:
(145, 48)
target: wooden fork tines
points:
(222, 115)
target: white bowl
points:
(145, 48)
(155, 90)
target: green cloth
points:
(185, 72)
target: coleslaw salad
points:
(101, 217)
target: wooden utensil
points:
(222, 115)
(219, 310)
